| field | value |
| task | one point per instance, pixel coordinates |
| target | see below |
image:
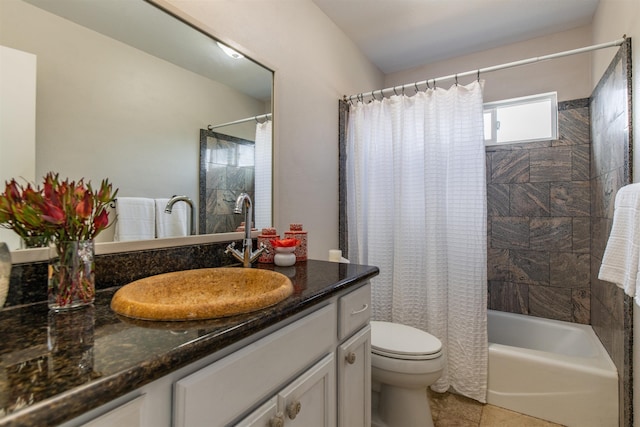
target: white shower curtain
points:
(263, 178)
(416, 208)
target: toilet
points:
(404, 362)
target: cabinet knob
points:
(277, 420)
(351, 358)
(293, 409)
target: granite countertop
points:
(56, 366)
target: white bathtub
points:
(557, 371)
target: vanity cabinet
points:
(354, 380)
(314, 370)
(354, 359)
(130, 414)
(309, 401)
(222, 392)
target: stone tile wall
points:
(538, 200)
(611, 309)
(222, 179)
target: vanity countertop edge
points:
(59, 366)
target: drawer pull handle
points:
(363, 309)
(351, 358)
(294, 409)
(277, 420)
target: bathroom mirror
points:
(124, 89)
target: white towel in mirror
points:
(174, 224)
(135, 219)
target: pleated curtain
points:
(416, 208)
(263, 178)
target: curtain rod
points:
(401, 88)
(264, 117)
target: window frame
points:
(492, 108)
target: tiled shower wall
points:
(550, 211)
(611, 133)
(538, 200)
(227, 169)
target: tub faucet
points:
(247, 255)
(175, 199)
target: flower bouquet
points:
(68, 215)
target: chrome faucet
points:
(175, 199)
(247, 255)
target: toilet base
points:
(404, 407)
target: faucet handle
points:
(230, 247)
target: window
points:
(530, 118)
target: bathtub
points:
(557, 371)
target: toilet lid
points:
(402, 341)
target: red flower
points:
(12, 190)
(101, 221)
(60, 210)
(53, 214)
(85, 207)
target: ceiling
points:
(146, 27)
(401, 34)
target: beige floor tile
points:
(493, 416)
(449, 407)
(446, 421)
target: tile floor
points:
(451, 410)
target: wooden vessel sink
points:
(207, 293)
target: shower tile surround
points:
(538, 212)
(550, 211)
(611, 139)
(222, 179)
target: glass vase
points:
(71, 274)
(70, 340)
(30, 242)
(5, 272)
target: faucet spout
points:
(175, 199)
(247, 255)
(244, 201)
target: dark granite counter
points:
(56, 366)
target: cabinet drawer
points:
(130, 414)
(355, 311)
(221, 392)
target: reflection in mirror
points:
(231, 165)
(120, 89)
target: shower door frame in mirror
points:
(91, 129)
(227, 169)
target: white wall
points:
(614, 18)
(570, 76)
(17, 123)
(315, 64)
(105, 109)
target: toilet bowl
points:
(404, 362)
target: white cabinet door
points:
(266, 415)
(310, 400)
(354, 380)
(223, 391)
